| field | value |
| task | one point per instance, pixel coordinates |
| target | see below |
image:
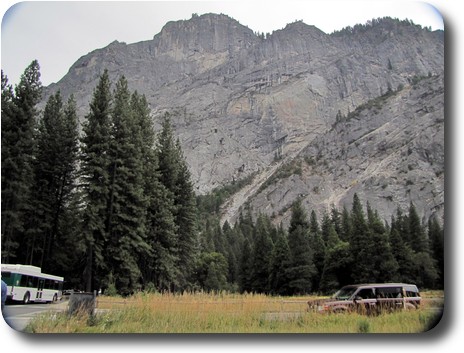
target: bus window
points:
(28, 281)
(24, 281)
(6, 275)
(8, 278)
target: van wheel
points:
(26, 298)
(410, 306)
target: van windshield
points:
(344, 293)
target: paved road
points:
(18, 316)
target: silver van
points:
(370, 298)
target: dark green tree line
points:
(115, 209)
(139, 192)
(351, 246)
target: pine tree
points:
(18, 147)
(217, 236)
(361, 244)
(54, 181)
(187, 239)
(168, 157)
(262, 250)
(280, 265)
(246, 223)
(158, 269)
(175, 176)
(336, 219)
(246, 267)
(10, 174)
(401, 251)
(425, 266)
(234, 240)
(346, 226)
(425, 270)
(302, 268)
(125, 222)
(384, 265)
(316, 242)
(212, 271)
(416, 236)
(336, 270)
(95, 164)
(436, 235)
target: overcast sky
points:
(57, 33)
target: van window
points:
(344, 293)
(389, 292)
(366, 293)
(411, 291)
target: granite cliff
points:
(359, 110)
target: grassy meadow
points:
(229, 313)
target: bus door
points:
(40, 288)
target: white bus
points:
(28, 284)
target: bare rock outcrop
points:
(247, 104)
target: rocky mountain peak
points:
(210, 33)
(301, 28)
(246, 105)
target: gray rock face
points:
(247, 104)
(390, 152)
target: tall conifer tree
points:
(95, 180)
(186, 221)
(19, 115)
(436, 236)
(336, 271)
(384, 265)
(126, 208)
(302, 268)
(175, 176)
(246, 267)
(280, 265)
(401, 251)
(10, 175)
(316, 241)
(158, 269)
(425, 266)
(68, 246)
(361, 244)
(54, 180)
(416, 236)
(262, 251)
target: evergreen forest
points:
(110, 205)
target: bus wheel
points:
(55, 298)
(26, 298)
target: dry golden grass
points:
(228, 313)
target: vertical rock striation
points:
(248, 104)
